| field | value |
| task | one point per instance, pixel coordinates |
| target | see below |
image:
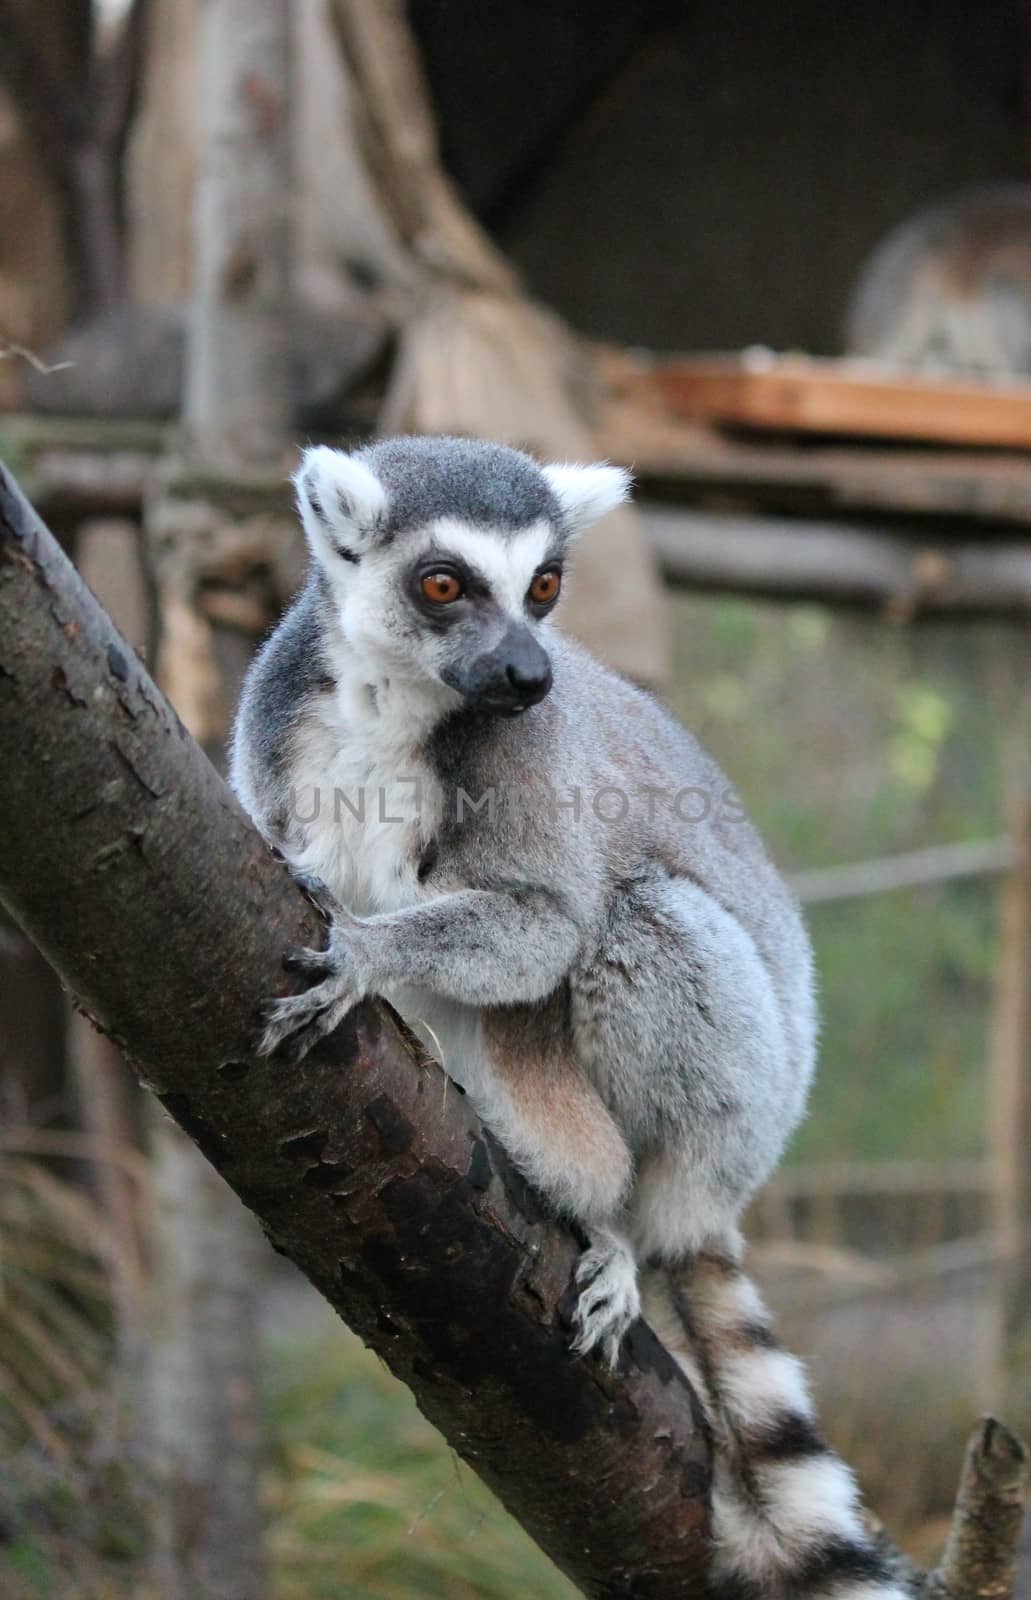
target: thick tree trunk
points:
(236, 418)
(204, 1381)
(238, 393)
(33, 291)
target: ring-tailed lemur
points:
(949, 289)
(616, 974)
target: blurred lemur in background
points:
(948, 291)
(615, 973)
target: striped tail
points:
(786, 1521)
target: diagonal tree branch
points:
(127, 860)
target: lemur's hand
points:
(292, 1026)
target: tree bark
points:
(236, 418)
(980, 1556)
(203, 1379)
(125, 857)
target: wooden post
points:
(238, 398)
(1011, 1121)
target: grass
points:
(367, 1501)
(70, 1524)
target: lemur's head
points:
(444, 557)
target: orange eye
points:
(545, 587)
(441, 588)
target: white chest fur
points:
(364, 802)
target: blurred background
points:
(777, 259)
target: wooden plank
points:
(800, 395)
(693, 464)
(910, 869)
(837, 563)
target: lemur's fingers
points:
(314, 964)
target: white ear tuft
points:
(587, 493)
(340, 502)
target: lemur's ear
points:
(587, 493)
(341, 503)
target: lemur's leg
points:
(552, 1121)
(480, 947)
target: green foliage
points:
(12, 453)
(851, 739)
(923, 718)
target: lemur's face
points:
(445, 558)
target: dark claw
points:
(318, 893)
(296, 1045)
(566, 1308)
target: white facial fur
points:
(351, 497)
(507, 562)
(344, 509)
(587, 493)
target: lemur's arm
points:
(482, 947)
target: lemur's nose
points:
(531, 682)
(508, 679)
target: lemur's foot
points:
(609, 1302)
(294, 1025)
